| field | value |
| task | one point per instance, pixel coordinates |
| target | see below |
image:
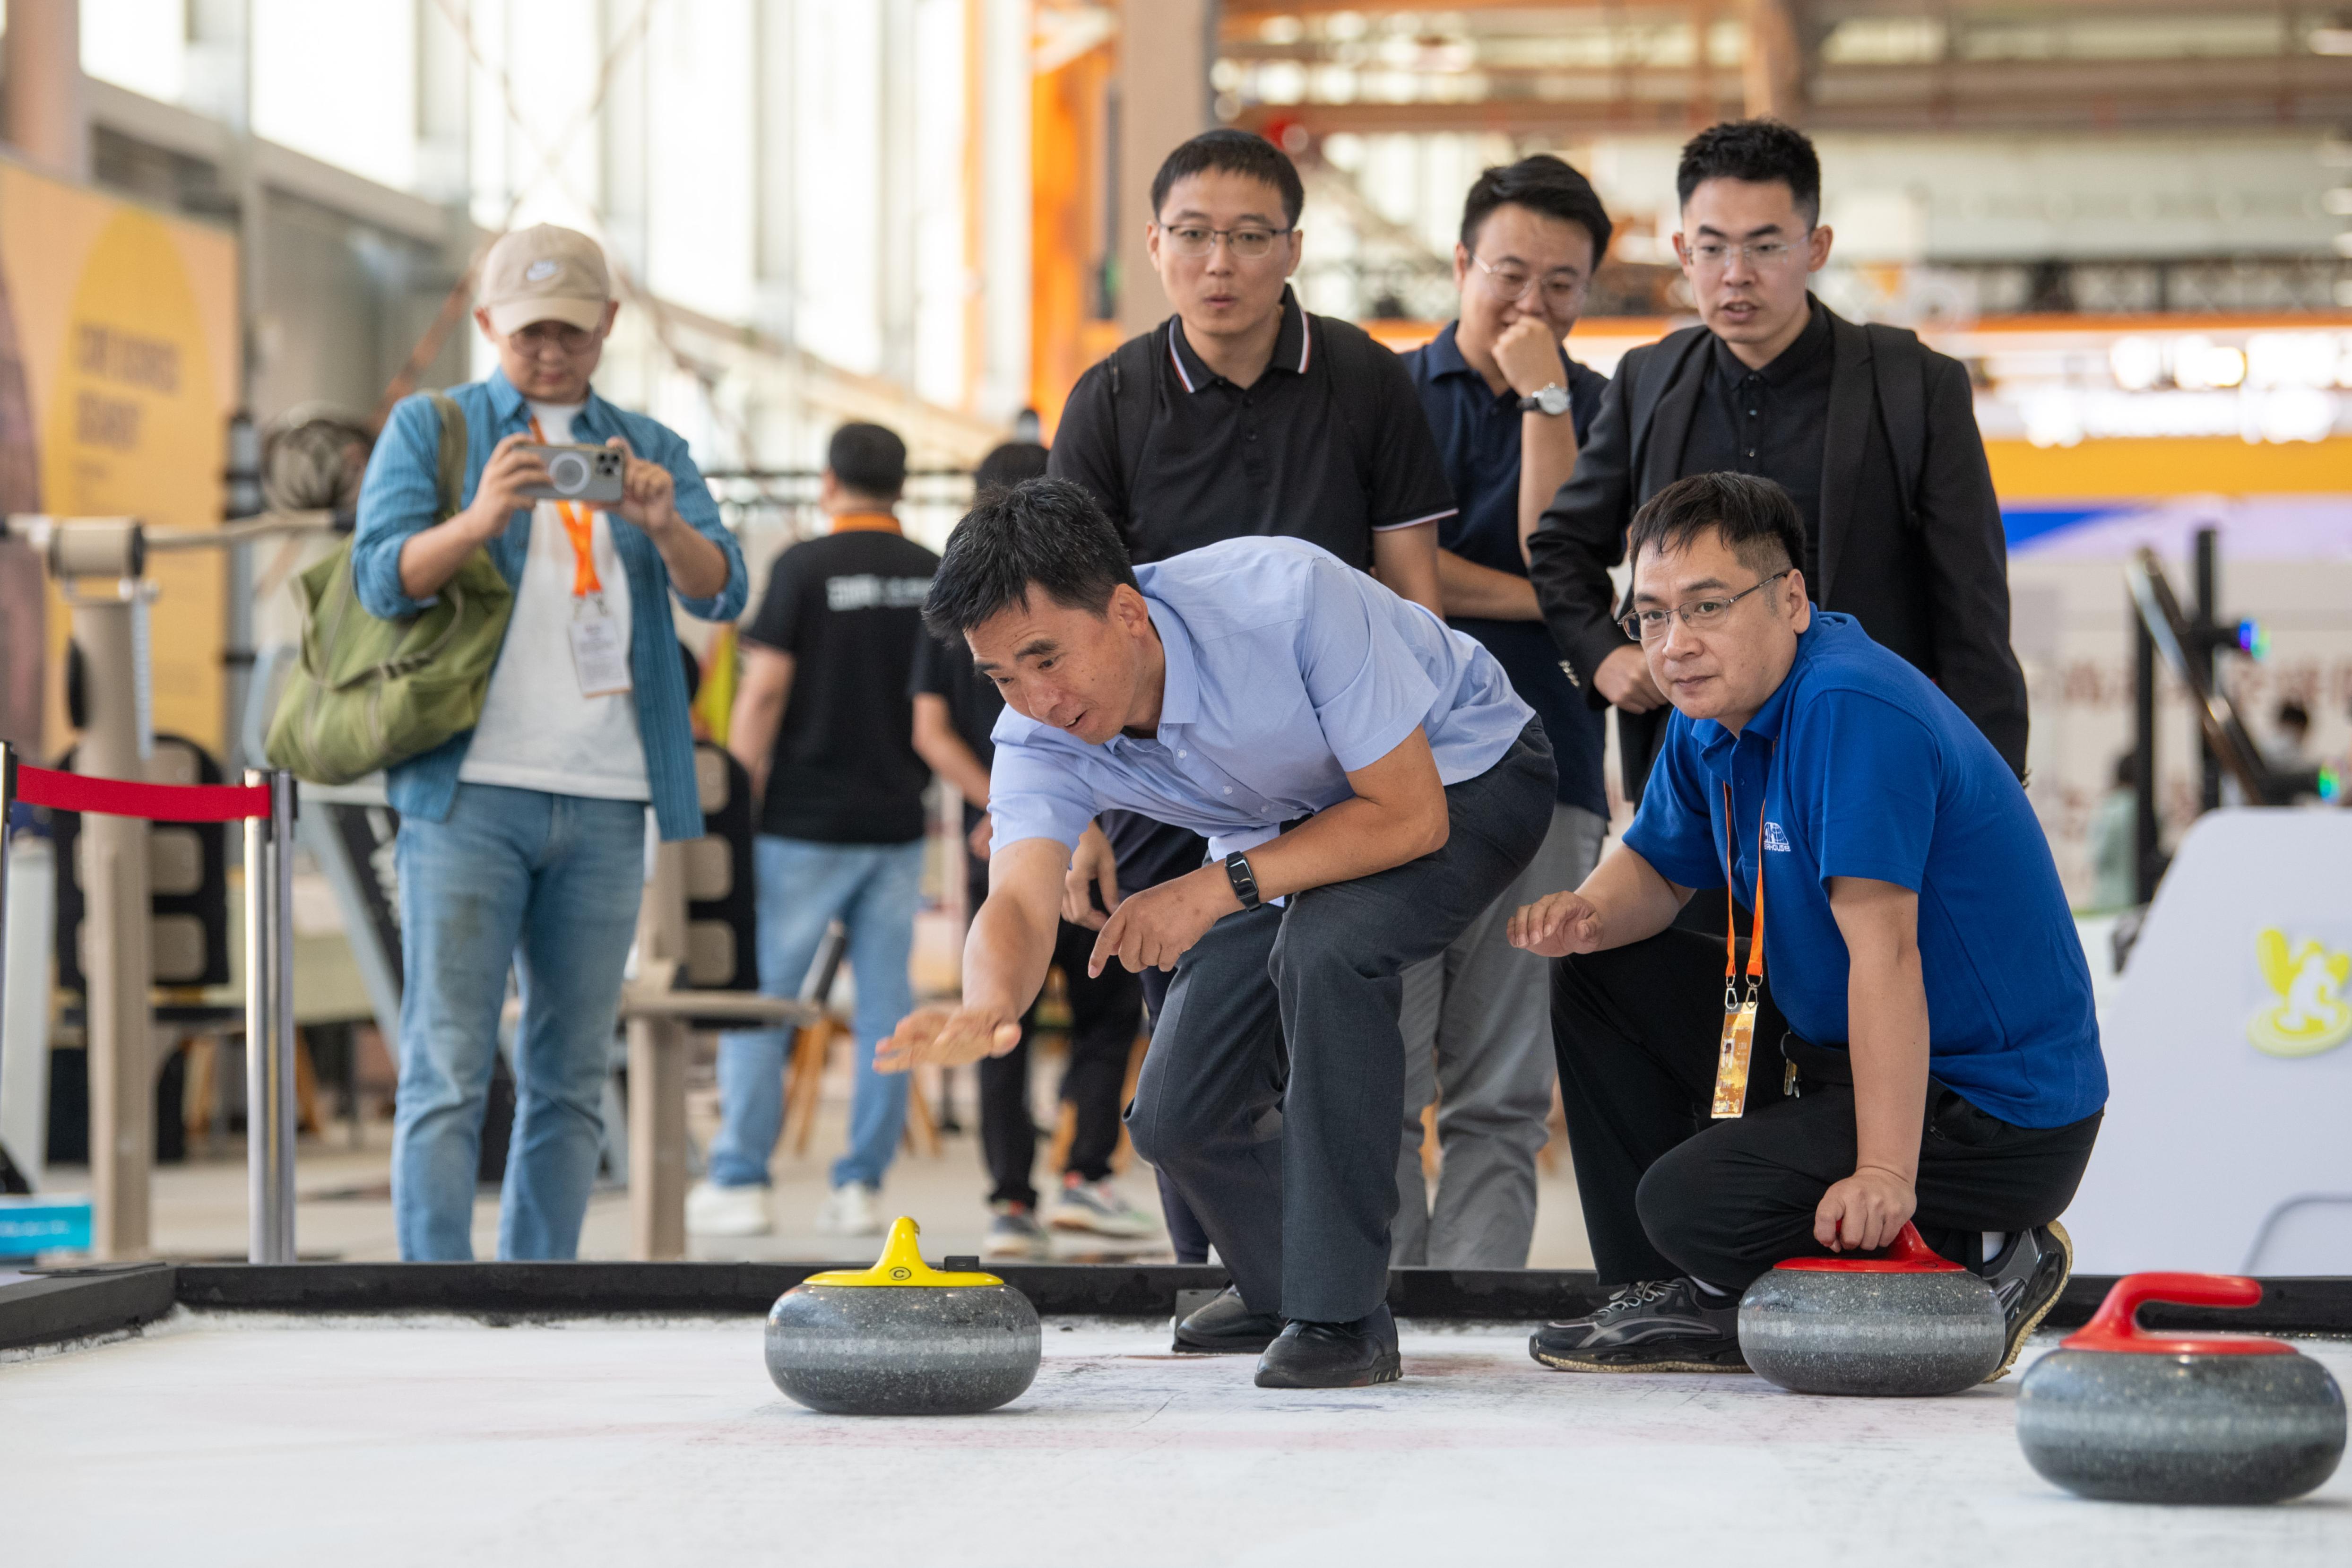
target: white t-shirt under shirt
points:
(536, 730)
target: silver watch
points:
(1552, 400)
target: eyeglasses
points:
(541, 336)
(1713, 255)
(1246, 244)
(1699, 614)
(1511, 283)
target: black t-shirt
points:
(1771, 423)
(944, 669)
(848, 607)
(1304, 453)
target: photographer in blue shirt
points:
(1368, 783)
(1924, 1044)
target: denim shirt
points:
(397, 500)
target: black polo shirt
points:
(1330, 459)
(1769, 422)
(1478, 431)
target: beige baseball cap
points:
(544, 274)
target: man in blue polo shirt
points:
(1368, 784)
(1509, 409)
(1927, 1049)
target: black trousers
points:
(1106, 1012)
(1667, 1190)
(1271, 1091)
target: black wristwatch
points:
(1245, 880)
(1551, 400)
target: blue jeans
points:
(872, 890)
(549, 884)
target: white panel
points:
(838, 153)
(338, 83)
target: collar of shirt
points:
(1715, 741)
(1293, 347)
(864, 522)
(1794, 361)
(1180, 685)
(589, 427)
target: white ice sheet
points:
(585, 1445)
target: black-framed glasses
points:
(1699, 614)
(1250, 243)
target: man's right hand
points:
(1556, 925)
(1092, 865)
(1623, 680)
(946, 1037)
(500, 494)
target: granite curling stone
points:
(2120, 1414)
(1904, 1322)
(902, 1338)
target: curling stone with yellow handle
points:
(902, 1338)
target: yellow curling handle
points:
(900, 1264)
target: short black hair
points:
(1755, 517)
(1541, 184)
(1243, 152)
(1007, 465)
(1758, 151)
(869, 460)
(1047, 534)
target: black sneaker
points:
(2027, 1280)
(1225, 1325)
(1655, 1325)
(1333, 1355)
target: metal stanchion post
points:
(270, 1021)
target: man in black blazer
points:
(1873, 435)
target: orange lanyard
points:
(582, 530)
(1730, 929)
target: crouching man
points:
(1368, 782)
(1924, 1047)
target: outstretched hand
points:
(945, 1037)
(1556, 925)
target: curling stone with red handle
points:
(1902, 1322)
(2120, 1414)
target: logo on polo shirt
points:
(1774, 838)
(870, 590)
(2308, 1012)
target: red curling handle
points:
(2115, 1326)
(1906, 1254)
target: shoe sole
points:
(1092, 1227)
(1183, 1346)
(2032, 1319)
(1571, 1364)
(1389, 1368)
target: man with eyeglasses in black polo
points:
(1240, 415)
(1871, 434)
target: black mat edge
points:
(81, 1304)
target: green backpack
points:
(370, 692)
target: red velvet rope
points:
(156, 803)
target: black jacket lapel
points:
(1852, 397)
(1661, 456)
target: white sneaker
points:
(850, 1210)
(1099, 1207)
(726, 1211)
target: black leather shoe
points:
(1333, 1355)
(2027, 1280)
(1656, 1325)
(1225, 1325)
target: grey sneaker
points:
(1653, 1325)
(1014, 1233)
(2027, 1280)
(1100, 1208)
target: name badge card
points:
(598, 655)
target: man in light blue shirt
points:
(1368, 782)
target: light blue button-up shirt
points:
(397, 499)
(1286, 671)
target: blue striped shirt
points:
(397, 500)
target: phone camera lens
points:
(568, 472)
